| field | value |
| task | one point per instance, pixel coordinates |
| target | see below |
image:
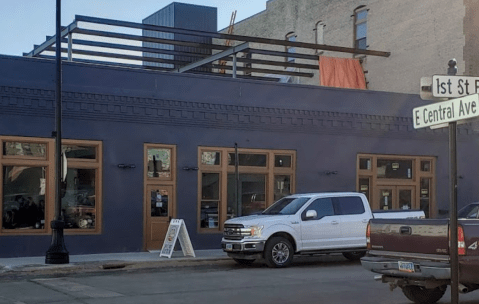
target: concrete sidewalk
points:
(90, 263)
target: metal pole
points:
(57, 253)
(452, 70)
(237, 194)
(234, 65)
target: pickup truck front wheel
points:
(278, 252)
(421, 295)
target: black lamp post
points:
(57, 253)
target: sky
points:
(24, 23)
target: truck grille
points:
(233, 232)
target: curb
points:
(106, 266)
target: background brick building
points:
(421, 35)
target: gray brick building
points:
(422, 35)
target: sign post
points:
(453, 254)
(450, 111)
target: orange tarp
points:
(341, 73)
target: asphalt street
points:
(328, 279)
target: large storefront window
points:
(397, 182)
(78, 202)
(264, 177)
(252, 194)
(23, 197)
(28, 185)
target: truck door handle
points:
(365, 220)
(334, 223)
(405, 230)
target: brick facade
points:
(421, 35)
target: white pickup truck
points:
(315, 223)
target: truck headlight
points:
(253, 231)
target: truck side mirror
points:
(311, 214)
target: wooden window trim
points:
(95, 164)
(216, 167)
(49, 163)
(224, 169)
(376, 182)
(160, 180)
(46, 141)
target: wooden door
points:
(159, 204)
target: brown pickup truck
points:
(414, 255)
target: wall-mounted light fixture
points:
(190, 168)
(327, 172)
(124, 166)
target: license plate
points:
(229, 246)
(406, 266)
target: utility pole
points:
(57, 253)
(453, 254)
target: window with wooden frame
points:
(264, 176)
(27, 185)
(81, 203)
(360, 27)
(397, 181)
(160, 163)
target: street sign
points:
(454, 86)
(446, 111)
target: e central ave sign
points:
(446, 111)
(454, 86)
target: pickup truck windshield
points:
(469, 211)
(287, 205)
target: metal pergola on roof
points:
(197, 58)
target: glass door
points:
(158, 204)
(406, 197)
(387, 195)
(396, 198)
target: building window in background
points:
(319, 34)
(291, 49)
(360, 27)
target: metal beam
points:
(113, 64)
(283, 54)
(150, 39)
(230, 36)
(167, 61)
(278, 63)
(240, 48)
(135, 48)
(120, 56)
(52, 40)
(116, 64)
(187, 54)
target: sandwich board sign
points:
(446, 111)
(177, 231)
